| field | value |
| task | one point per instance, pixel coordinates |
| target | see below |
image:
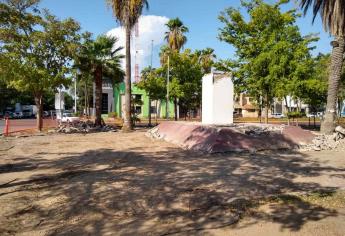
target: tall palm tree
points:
(127, 13)
(175, 36)
(100, 58)
(206, 59)
(165, 51)
(333, 18)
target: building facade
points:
(245, 106)
(158, 108)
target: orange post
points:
(7, 124)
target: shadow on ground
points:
(136, 192)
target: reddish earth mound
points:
(237, 137)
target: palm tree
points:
(127, 12)
(165, 51)
(333, 18)
(100, 58)
(175, 36)
(176, 39)
(206, 59)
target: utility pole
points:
(75, 95)
(151, 52)
(149, 94)
(168, 81)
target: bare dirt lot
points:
(127, 184)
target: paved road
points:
(23, 124)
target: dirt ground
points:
(127, 184)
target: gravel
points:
(327, 142)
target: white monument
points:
(217, 99)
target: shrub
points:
(295, 114)
(112, 114)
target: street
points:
(23, 124)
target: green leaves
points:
(36, 49)
(153, 82)
(175, 36)
(271, 54)
(100, 53)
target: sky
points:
(200, 16)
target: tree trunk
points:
(328, 124)
(288, 110)
(98, 88)
(266, 109)
(39, 120)
(156, 112)
(150, 112)
(85, 100)
(175, 108)
(127, 124)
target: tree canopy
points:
(36, 49)
(272, 57)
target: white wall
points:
(217, 99)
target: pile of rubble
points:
(327, 142)
(258, 130)
(83, 127)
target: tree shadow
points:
(140, 192)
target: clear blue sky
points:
(200, 16)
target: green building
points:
(158, 108)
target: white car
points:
(311, 115)
(18, 115)
(69, 118)
(277, 115)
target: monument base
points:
(232, 138)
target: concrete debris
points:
(83, 127)
(327, 142)
(259, 130)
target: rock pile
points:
(83, 127)
(259, 130)
(327, 142)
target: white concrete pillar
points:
(217, 99)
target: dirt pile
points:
(327, 142)
(231, 138)
(83, 127)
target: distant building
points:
(283, 106)
(113, 101)
(245, 106)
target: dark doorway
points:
(104, 103)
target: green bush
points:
(295, 114)
(112, 114)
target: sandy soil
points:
(127, 184)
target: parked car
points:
(311, 115)
(18, 115)
(277, 115)
(69, 117)
(46, 114)
(320, 115)
(342, 114)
